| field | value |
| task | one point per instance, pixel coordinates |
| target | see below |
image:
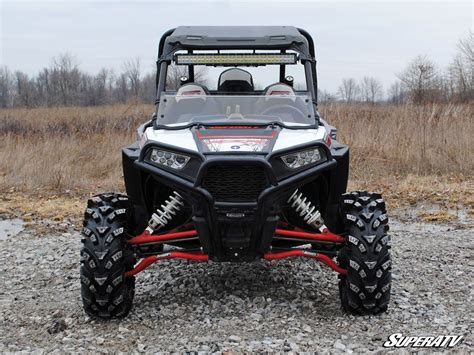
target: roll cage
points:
(191, 38)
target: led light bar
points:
(236, 59)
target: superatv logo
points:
(398, 340)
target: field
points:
(57, 156)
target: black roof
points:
(236, 37)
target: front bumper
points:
(236, 231)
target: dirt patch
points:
(36, 207)
(439, 216)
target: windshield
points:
(289, 110)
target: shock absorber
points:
(306, 210)
(165, 213)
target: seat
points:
(235, 81)
(280, 89)
(192, 89)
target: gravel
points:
(287, 305)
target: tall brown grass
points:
(422, 140)
(66, 148)
(79, 148)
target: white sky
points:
(352, 38)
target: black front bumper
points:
(235, 231)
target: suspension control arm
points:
(146, 237)
(326, 235)
(196, 256)
(299, 252)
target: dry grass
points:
(62, 149)
(410, 153)
(448, 191)
(401, 140)
(42, 206)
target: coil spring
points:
(165, 213)
(306, 210)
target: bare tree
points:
(121, 91)
(466, 47)
(175, 72)
(65, 77)
(132, 73)
(101, 84)
(371, 89)
(325, 96)
(419, 77)
(6, 87)
(43, 87)
(173, 75)
(24, 90)
(349, 90)
(397, 93)
(148, 90)
(461, 71)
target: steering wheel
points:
(285, 109)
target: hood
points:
(246, 139)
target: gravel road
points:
(287, 305)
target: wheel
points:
(366, 287)
(105, 257)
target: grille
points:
(235, 183)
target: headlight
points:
(304, 157)
(168, 159)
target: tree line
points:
(62, 83)
(420, 82)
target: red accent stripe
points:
(237, 141)
(233, 127)
(225, 137)
(201, 136)
(193, 92)
(230, 137)
(328, 140)
(280, 92)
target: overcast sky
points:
(353, 38)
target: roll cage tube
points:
(312, 64)
(159, 63)
(309, 62)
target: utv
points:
(235, 172)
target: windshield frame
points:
(303, 44)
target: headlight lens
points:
(304, 157)
(168, 159)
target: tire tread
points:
(366, 287)
(105, 257)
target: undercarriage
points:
(286, 235)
